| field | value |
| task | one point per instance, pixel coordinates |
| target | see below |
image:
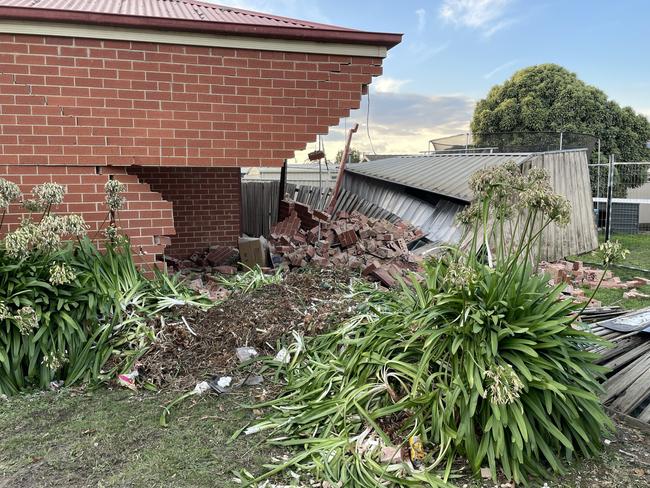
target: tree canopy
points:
(353, 157)
(548, 97)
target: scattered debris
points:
(128, 380)
(306, 301)
(376, 247)
(201, 388)
(486, 473)
(634, 293)
(576, 274)
(417, 451)
(221, 384)
(245, 353)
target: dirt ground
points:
(306, 301)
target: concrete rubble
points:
(377, 248)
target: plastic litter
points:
(417, 451)
(220, 384)
(128, 380)
(246, 353)
(201, 388)
(283, 356)
(253, 380)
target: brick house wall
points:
(146, 218)
(206, 203)
(71, 108)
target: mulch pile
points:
(307, 301)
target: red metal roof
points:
(188, 15)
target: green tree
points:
(548, 97)
(353, 157)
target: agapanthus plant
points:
(476, 359)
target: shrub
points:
(66, 308)
(478, 358)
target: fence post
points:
(610, 191)
(283, 184)
(561, 139)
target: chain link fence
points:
(515, 142)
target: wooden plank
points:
(618, 383)
(630, 355)
(635, 394)
(622, 347)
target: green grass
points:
(639, 257)
(112, 438)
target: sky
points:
(454, 51)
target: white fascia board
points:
(61, 29)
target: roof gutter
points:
(386, 40)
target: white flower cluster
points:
(9, 192)
(48, 194)
(54, 361)
(46, 236)
(505, 386)
(613, 251)
(506, 188)
(114, 200)
(461, 276)
(26, 320)
(61, 274)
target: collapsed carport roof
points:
(443, 174)
(190, 16)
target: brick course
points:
(99, 102)
(206, 203)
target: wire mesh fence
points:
(515, 142)
(622, 199)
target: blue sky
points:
(453, 51)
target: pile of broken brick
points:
(577, 276)
(216, 258)
(376, 247)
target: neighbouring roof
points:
(187, 15)
(444, 174)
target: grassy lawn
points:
(639, 257)
(112, 438)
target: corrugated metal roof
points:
(437, 220)
(445, 174)
(188, 16)
(170, 9)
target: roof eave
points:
(387, 40)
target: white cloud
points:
(499, 68)
(423, 51)
(485, 15)
(400, 123)
(386, 84)
(422, 19)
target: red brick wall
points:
(94, 102)
(206, 203)
(147, 218)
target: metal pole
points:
(598, 177)
(561, 139)
(467, 142)
(610, 191)
(339, 178)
